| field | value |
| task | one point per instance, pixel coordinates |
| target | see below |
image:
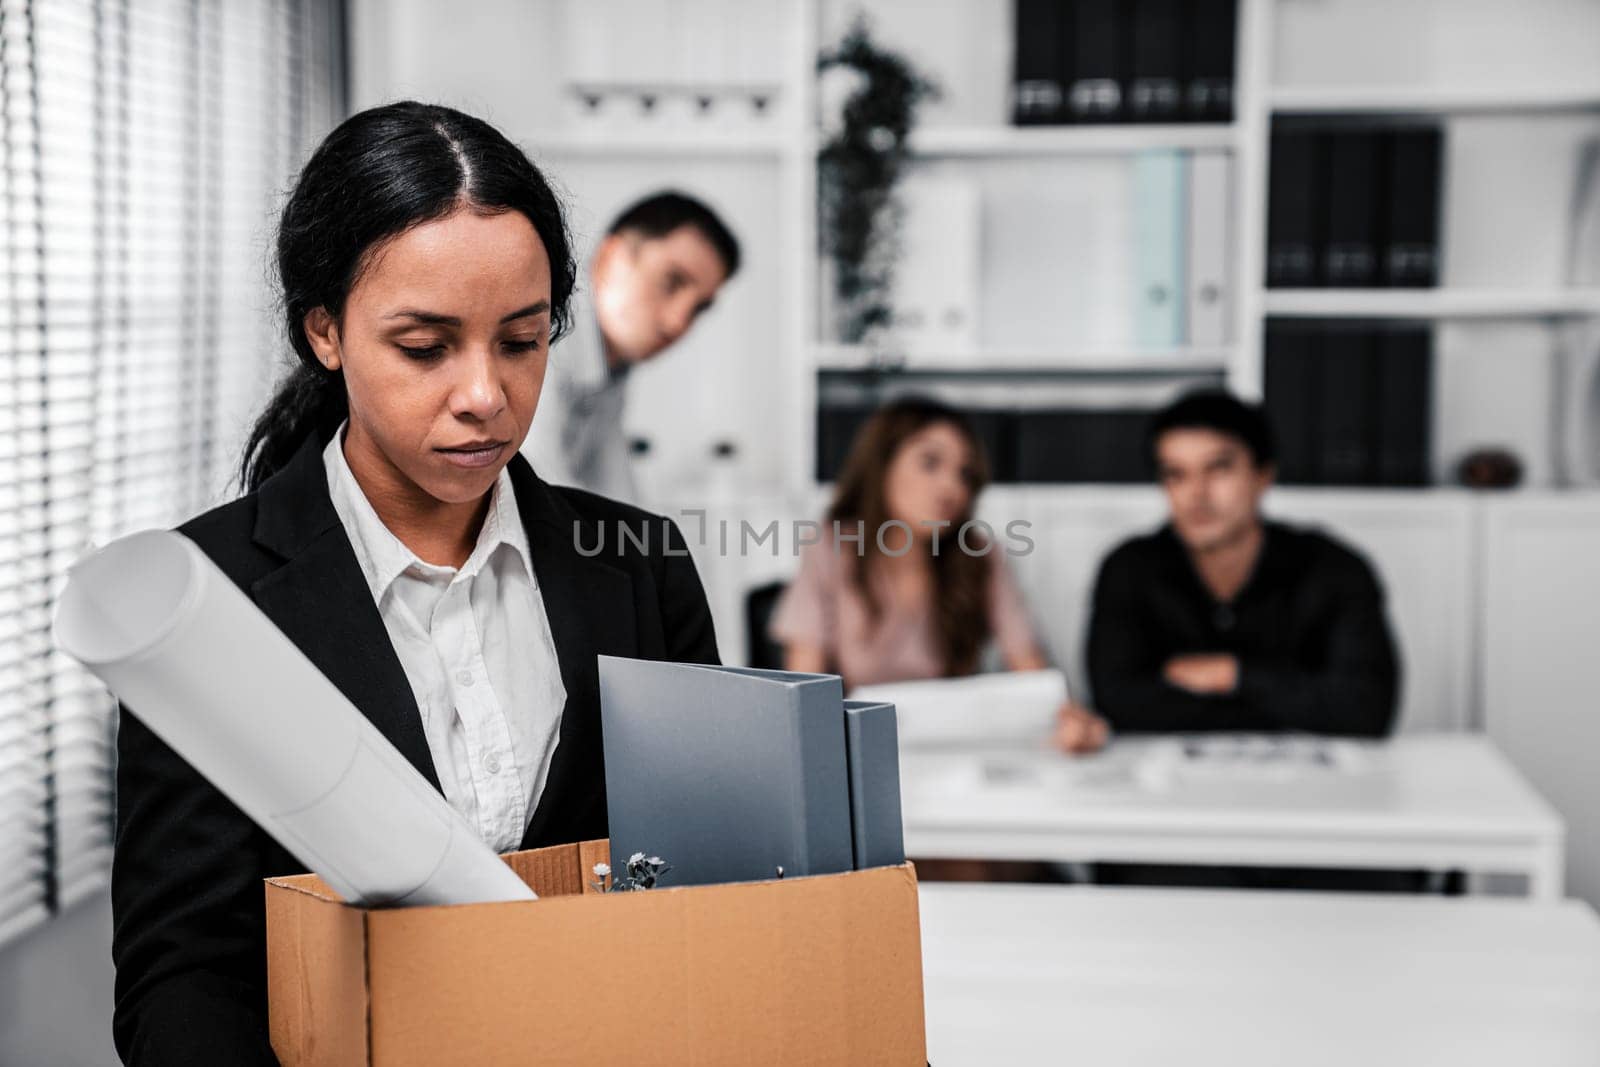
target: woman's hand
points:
(805, 658)
(1079, 730)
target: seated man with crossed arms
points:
(1225, 620)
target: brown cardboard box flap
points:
(316, 972)
(823, 970)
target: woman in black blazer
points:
(396, 209)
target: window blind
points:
(146, 145)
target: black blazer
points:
(190, 938)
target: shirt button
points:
(491, 763)
(464, 677)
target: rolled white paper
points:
(199, 664)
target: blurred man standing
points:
(657, 270)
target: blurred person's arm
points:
(803, 620)
(1355, 688)
(799, 656)
(1078, 729)
(1128, 676)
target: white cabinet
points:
(1072, 529)
(1541, 657)
(1422, 546)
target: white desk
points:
(1129, 977)
(1439, 802)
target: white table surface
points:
(1440, 802)
(1092, 975)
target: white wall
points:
(55, 991)
(1410, 43)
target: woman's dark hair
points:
(960, 577)
(1221, 412)
(378, 174)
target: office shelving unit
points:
(1486, 71)
(972, 147)
(960, 144)
(769, 165)
(1434, 304)
(1267, 87)
(999, 142)
(647, 144)
(1445, 100)
(1106, 360)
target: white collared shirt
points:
(477, 649)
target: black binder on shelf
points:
(994, 429)
(1294, 208)
(1081, 445)
(836, 431)
(1350, 248)
(1290, 392)
(1346, 399)
(1052, 448)
(1404, 408)
(1095, 53)
(1039, 77)
(1209, 63)
(838, 424)
(1155, 89)
(1411, 245)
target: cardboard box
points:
(822, 970)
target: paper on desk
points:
(199, 664)
(1233, 757)
(1011, 706)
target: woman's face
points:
(443, 344)
(930, 480)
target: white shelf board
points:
(1447, 498)
(1014, 141)
(674, 142)
(1431, 99)
(1019, 360)
(1431, 303)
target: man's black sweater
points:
(1308, 630)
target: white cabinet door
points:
(1541, 658)
(1421, 545)
(1071, 528)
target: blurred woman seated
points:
(902, 584)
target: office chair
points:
(759, 604)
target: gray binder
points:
(726, 773)
(873, 745)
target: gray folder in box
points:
(727, 773)
(873, 745)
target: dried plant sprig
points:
(643, 872)
(876, 93)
